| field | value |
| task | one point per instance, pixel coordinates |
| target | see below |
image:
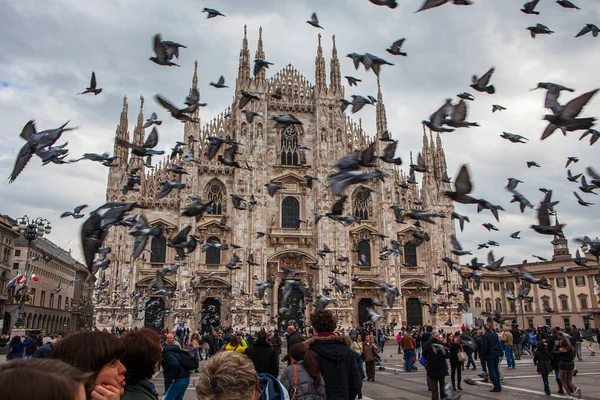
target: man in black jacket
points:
(516, 340)
(177, 377)
(263, 356)
(335, 358)
(292, 338)
(435, 353)
(491, 352)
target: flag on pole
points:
(21, 280)
(33, 277)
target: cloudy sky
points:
(49, 49)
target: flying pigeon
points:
(587, 29)
(212, 13)
(481, 84)
(92, 88)
(394, 49)
(314, 21)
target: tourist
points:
(97, 353)
(228, 376)
(356, 347)
(45, 349)
(293, 337)
(369, 351)
(417, 336)
(491, 352)
(576, 341)
(399, 340)
(479, 342)
(516, 333)
(171, 339)
(276, 343)
(16, 348)
(408, 347)
(194, 347)
(303, 379)
(565, 352)
(176, 376)
(263, 356)
(335, 358)
(507, 340)
(42, 379)
(142, 358)
(541, 359)
(30, 346)
(551, 346)
(235, 344)
(453, 342)
(525, 343)
(435, 353)
(213, 342)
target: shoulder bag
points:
(461, 355)
(295, 388)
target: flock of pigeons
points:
(358, 167)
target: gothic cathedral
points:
(227, 297)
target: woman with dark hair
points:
(142, 359)
(334, 356)
(542, 359)
(97, 353)
(16, 349)
(453, 342)
(46, 379)
(356, 347)
(565, 352)
(303, 379)
(369, 351)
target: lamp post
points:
(30, 229)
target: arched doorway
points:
(363, 305)
(294, 308)
(211, 314)
(414, 312)
(154, 314)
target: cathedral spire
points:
(320, 78)
(195, 77)
(260, 55)
(120, 151)
(380, 116)
(138, 137)
(441, 156)
(244, 64)
(335, 84)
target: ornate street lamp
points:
(30, 230)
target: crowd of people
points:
(324, 364)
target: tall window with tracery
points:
(215, 193)
(361, 205)
(158, 246)
(289, 146)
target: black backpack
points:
(187, 361)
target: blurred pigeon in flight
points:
(571, 160)
(220, 83)
(481, 84)
(314, 21)
(529, 7)
(497, 107)
(587, 29)
(76, 214)
(162, 56)
(539, 29)
(386, 3)
(513, 137)
(211, 13)
(352, 81)
(394, 49)
(153, 120)
(92, 88)
(567, 4)
(565, 118)
(436, 3)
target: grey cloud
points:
(53, 49)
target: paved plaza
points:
(520, 383)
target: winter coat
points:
(171, 363)
(369, 351)
(338, 366)
(454, 349)
(276, 343)
(576, 335)
(552, 340)
(542, 359)
(356, 347)
(292, 339)
(240, 348)
(306, 389)
(565, 359)
(435, 360)
(43, 351)
(408, 343)
(138, 392)
(212, 343)
(264, 358)
(490, 345)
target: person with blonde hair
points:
(228, 375)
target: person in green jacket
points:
(142, 359)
